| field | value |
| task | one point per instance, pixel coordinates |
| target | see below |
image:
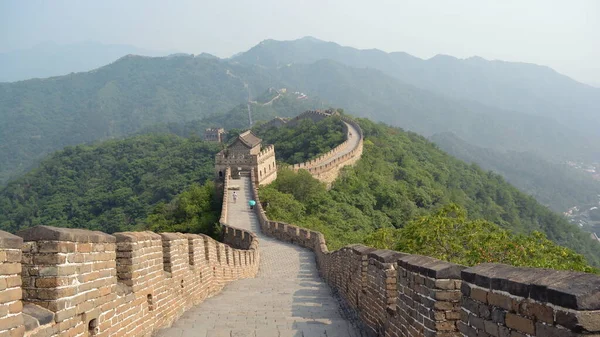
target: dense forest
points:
(115, 186)
(402, 177)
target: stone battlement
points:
(75, 282)
(397, 294)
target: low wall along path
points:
(287, 297)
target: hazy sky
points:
(562, 34)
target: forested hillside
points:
(556, 185)
(402, 177)
(115, 186)
(44, 115)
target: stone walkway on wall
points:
(286, 299)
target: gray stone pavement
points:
(286, 299)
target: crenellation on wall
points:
(402, 295)
(11, 316)
(501, 299)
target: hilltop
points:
(51, 59)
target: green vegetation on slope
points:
(448, 235)
(43, 115)
(195, 210)
(556, 185)
(114, 186)
(402, 177)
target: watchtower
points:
(246, 154)
(214, 135)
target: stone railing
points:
(397, 294)
(74, 282)
(325, 169)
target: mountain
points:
(43, 115)
(511, 86)
(370, 93)
(50, 59)
(556, 185)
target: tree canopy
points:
(114, 186)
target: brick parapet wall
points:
(74, 282)
(402, 295)
(11, 306)
(501, 300)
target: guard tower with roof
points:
(214, 135)
(246, 154)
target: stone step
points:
(266, 332)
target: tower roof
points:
(249, 139)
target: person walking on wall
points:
(251, 203)
(234, 197)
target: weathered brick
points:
(10, 295)
(519, 323)
(479, 294)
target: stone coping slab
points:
(10, 241)
(572, 290)
(48, 233)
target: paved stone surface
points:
(286, 299)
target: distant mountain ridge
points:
(522, 87)
(43, 115)
(50, 59)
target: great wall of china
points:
(73, 282)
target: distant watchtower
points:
(214, 135)
(244, 155)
